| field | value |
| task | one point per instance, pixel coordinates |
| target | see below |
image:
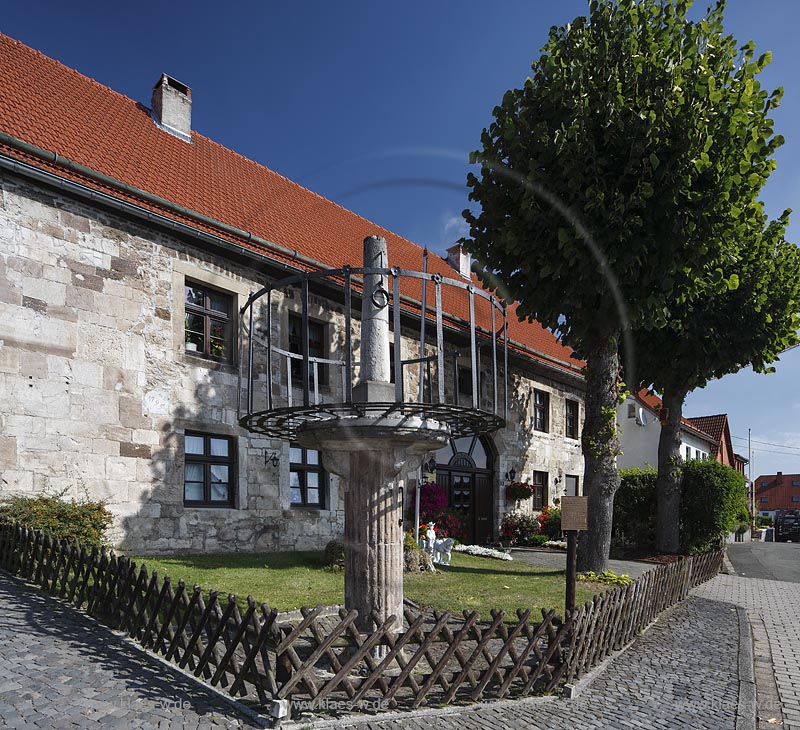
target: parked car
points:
(787, 525)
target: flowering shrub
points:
(519, 490)
(607, 576)
(448, 524)
(423, 531)
(483, 552)
(433, 508)
(550, 522)
(432, 500)
(518, 529)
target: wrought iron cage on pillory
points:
(448, 351)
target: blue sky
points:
(377, 105)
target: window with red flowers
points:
(208, 322)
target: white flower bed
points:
(483, 552)
(556, 544)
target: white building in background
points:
(640, 430)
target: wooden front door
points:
(464, 470)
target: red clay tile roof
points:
(46, 104)
(653, 402)
(714, 426)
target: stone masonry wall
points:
(96, 389)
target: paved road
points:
(62, 670)
(553, 559)
(775, 605)
(768, 560)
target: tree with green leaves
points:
(609, 185)
(712, 336)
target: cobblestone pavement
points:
(777, 604)
(553, 559)
(62, 670)
(682, 673)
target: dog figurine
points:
(442, 551)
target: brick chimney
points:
(172, 107)
(779, 478)
(460, 260)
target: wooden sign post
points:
(574, 517)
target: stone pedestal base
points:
(368, 454)
(373, 537)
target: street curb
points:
(248, 712)
(727, 565)
(409, 715)
(746, 709)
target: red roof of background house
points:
(714, 426)
(53, 107)
(653, 402)
(718, 427)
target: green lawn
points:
(282, 580)
(483, 583)
(290, 580)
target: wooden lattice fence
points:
(614, 618)
(324, 661)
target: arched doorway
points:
(465, 468)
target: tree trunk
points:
(668, 483)
(600, 448)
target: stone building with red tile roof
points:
(128, 243)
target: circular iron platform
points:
(283, 423)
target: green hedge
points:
(635, 509)
(84, 521)
(713, 504)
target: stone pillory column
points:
(375, 315)
(373, 508)
(368, 452)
